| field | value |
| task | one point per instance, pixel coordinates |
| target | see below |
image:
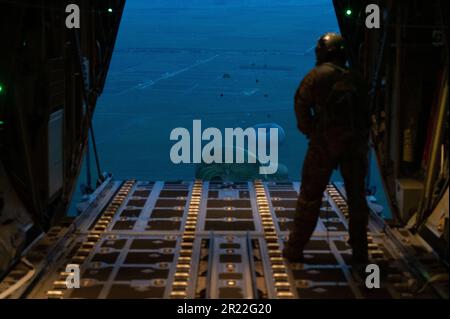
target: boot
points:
(293, 253)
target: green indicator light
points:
(1, 88)
(348, 12)
(2, 123)
(110, 10)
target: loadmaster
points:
(332, 111)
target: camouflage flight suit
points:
(334, 147)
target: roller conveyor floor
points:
(138, 239)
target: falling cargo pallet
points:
(199, 239)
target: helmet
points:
(330, 47)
